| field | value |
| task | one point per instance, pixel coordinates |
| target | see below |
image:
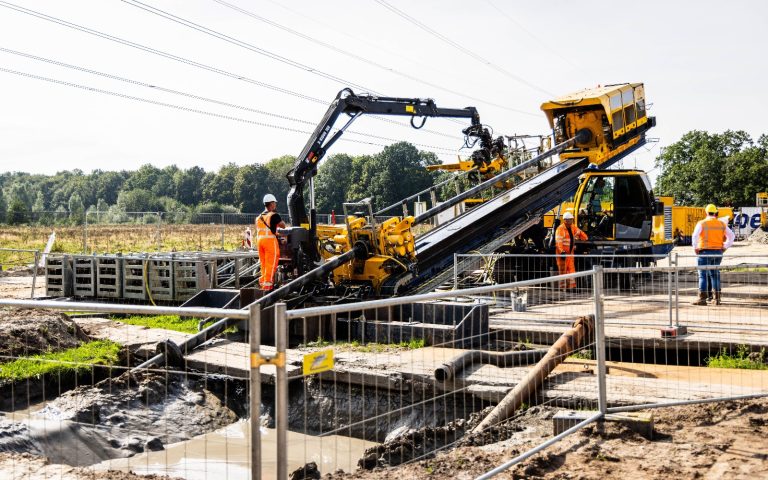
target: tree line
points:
(723, 168)
(726, 168)
(395, 172)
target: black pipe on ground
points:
(447, 371)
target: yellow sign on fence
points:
(318, 362)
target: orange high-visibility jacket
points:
(262, 226)
(563, 240)
(712, 235)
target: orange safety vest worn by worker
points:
(269, 250)
(712, 235)
(565, 243)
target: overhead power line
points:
(461, 48)
(242, 44)
(541, 42)
(207, 113)
(366, 60)
(192, 63)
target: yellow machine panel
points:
(390, 243)
(615, 115)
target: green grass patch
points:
(742, 359)
(585, 354)
(74, 360)
(167, 322)
(372, 347)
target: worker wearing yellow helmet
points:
(710, 239)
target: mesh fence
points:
(420, 374)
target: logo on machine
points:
(745, 220)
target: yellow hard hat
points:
(711, 208)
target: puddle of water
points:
(224, 453)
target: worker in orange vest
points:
(565, 243)
(266, 240)
(710, 239)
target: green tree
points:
(138, 200)
(725, 169)
(3, 206)
(250, 187)
(220, 188)
(17, 212)
(276, 182)
(76, 209)
(187, 185)
(333, 182)
(393, 174)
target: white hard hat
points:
(567, 216)
(269, 198)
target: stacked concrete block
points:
(58, 276)
(84, 276)
(109, 276)
(134, 286)
(160, 278)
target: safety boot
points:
(709, 297)
(702, 299)
(717, 298)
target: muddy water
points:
(225, 453)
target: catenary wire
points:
(541, 42)
(461, 48)
(206, 112)
(240, 43)
(189, 95)
(189, 62)
(365, 59)
(248, 46)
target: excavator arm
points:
(355, 105)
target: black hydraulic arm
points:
(355, 105)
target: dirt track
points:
(712, 441)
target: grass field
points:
(117, 239)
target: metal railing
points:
(381, 387)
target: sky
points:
(260, 94)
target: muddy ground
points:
(30, 332)
(32, 467)
(709, 441)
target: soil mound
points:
(30, 332)
(759, 236)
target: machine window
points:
(627, 97)
(596, 207)
(615, 101)
(618, 120)
(629, 113)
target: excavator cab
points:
(615, 205)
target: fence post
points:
(669, 294)
(254, 339)
(677, 291)
(85, 232)
(597, 282)
(34, 272)
(222, 231)
(281, 391)
(455, 271)
(159, 230)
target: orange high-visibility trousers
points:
(566, 264)
(269, 256)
